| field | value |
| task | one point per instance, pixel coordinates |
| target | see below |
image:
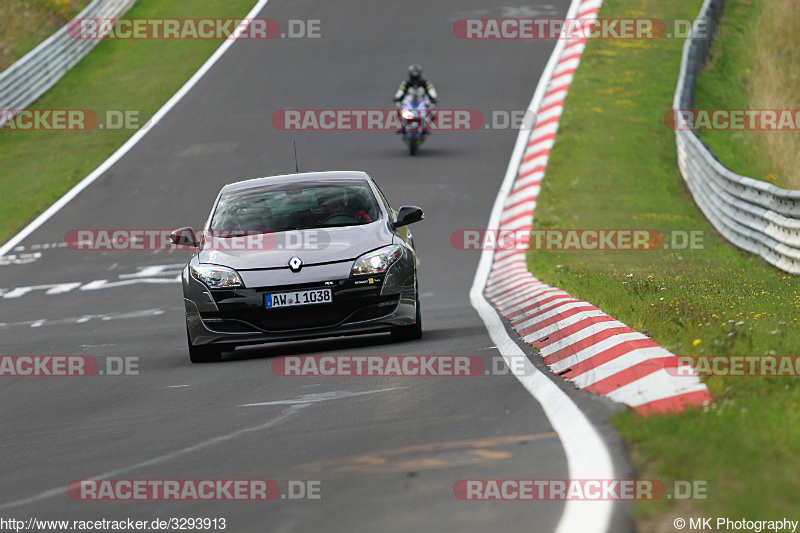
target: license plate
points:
(289, 299)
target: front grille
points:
(350, 309)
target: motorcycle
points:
(415, 114)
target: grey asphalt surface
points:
(387, 457)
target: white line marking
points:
(96, 345)
(85, 318)
(152, 271)
(105, 284)
(58, 288)
(125, 148)
(321, 397)
(125, 280)
(20, 259)
(587, 455)
(285, 415)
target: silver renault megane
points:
(300, 256)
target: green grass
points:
(614, 166)
(723, 85)
(38, 167)
(26, 23)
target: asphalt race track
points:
(387, 451)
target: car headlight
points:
(217, 277)
(378, 261)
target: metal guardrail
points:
(753, 215)
(31, 76)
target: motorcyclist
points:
(415, 80)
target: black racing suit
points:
(430, 90)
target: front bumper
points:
(237, 317)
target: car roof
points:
(336, 175)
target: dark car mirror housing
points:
(183, 237)
(408, 214)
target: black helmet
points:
(415, 72)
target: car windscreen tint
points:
(296, 206)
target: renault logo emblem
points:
(295, 264)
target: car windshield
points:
(296, 206)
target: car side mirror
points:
(183, 237)
(408, 214)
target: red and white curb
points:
(576, 339)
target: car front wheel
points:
(203, 354)
(409, 333)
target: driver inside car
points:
(335, 204)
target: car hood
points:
(312, 246)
